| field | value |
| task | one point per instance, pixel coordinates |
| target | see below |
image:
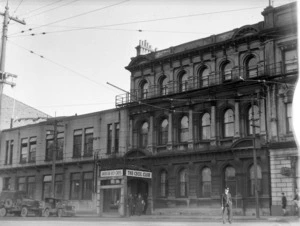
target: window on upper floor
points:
(163, 188)
(88, 141)
(206, 182)
(117, 137)
(109, 138)
(228, 123)
(144, 89)
(289, 119)
(77, 143)
(253, 120)
(60, 146)
(163, 86)
(24, 150)
(144, 130)
(183, 81)
(226, 71)
(7, 144)
(290, 60)
(184, 129)
(11, 152)
(203, 76)
(32, 149)
(205, 127)
(251, 67)
(251, 178)
(50, 145)
(163, 132)
(183, 183)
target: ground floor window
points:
(87, 185)
(31, 186)
(111, 200)
(75, 186)
(47, 186)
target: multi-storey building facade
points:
(203, 114)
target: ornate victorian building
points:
(204, 113)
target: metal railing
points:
(213, 79)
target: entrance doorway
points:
(111, 200)
(136, 187)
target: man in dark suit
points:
(226, 202)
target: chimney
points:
(143, 48)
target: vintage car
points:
(17, 202)
(57, 207)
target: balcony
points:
(214, 79)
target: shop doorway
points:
(136, 187)
(111, 200)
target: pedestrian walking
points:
(283, 203)
(130, 205)
(140, 204)
(226, 202)
(296, 202)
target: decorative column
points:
(191, 132)
(213, 126)
(236, 120)
(130, 143)
(262, 117)
(273, 113)
(170, 131)
(150, 134)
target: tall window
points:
(251, 67)
(32, 149)
(206, 182)
(117, 137)
(183, 82)
(163, 87)
(31, 186)
(184, 129)
(204, 73)
(77, 143)
(58, 186)
(290, 60)
(60, 146)
(144, 90)
(75, 186)
(11, 152)
(7, 145)
(88, 142)
(226, 71)
(7, 183)
(47, 186)
(49, 145)
(163, 183)
(253, 120)
(252, 180)
(205, 127)
(109, 138)
(24, 150)
(228, 123)
(183, 183)
(163, 132)
(230, 179)
(289, 119)
(21, 184)
(144, 135)
(87, 186)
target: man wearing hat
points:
(226, 202)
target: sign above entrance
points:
(137, 173)
(111, 173)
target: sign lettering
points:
(111, 173)
(137, 173)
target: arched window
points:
(144, 135)
(230, 179)
(183, 183)
(204, 77)
(205, 127)
(183, 82)
(163, 183)
(226, 71)
(252, 180)
(206, 182)
(289, 119)
(251, 67)
(228, 123)
(163, 132)
(184, 129)
(163, 87)
(144, 90)
(253, 121)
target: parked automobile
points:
(57, 207)
(17, 202)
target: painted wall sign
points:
(111, 173)
(137, 173)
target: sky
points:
(69, 49)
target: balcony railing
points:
(196, 82)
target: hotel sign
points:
(111, 173)
(137, 173)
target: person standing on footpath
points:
(226, 202)
(296, 202)
(130, 205)
(283, 203)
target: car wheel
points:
(24, 211)
(60, 213)
(46, 213)
(3, 212)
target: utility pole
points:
(54, 150)
(254, 159)
(3, 74)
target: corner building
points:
(201, 113)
